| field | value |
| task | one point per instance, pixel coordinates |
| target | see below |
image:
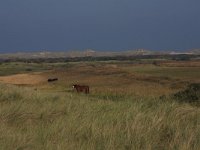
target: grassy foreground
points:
(32, 119)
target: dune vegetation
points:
(130, 106)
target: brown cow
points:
(81, 88)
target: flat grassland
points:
(130, 106)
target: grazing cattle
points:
(52, 79)
(81, 88)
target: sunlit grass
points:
(36, 120)
(123, 110)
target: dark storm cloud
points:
(99, 24)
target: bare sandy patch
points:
(23, 79)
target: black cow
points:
(52, 79)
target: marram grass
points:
(37, 120)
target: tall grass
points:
(36, 120)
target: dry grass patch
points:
(23, 79)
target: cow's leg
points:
(78, 90)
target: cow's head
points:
(74, 86)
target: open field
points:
(124, 109)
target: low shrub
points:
(190, 95)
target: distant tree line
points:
(181, 57)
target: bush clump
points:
(190, 95)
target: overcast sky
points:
(29, 25)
